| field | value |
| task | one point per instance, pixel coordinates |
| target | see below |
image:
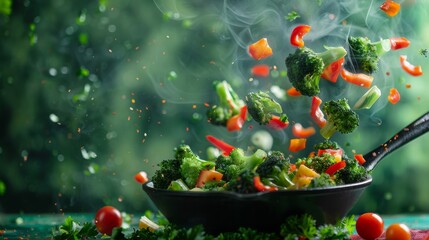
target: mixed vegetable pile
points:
(239, 171)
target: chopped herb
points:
(73, 230)
(424, 52)
(292, 16)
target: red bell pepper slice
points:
(359, 79)
(300, 132)
(260, 49)
(336, 167)
(236, 122)
(390, 7)
(277, 123)
(394, 96)
(360, 159)
(261, 70)
(410, 68)
(225, 147)
(332, 71)
(297, 144)
(398, 43)
(316, 113)
(262, 187)
(297, 34)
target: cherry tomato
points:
(141, 177)
(107, 218)
(369, 226)
(398, 231)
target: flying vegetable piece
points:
(394, 96)
(260, 49)
(368, 99)
(364, 55)
(359, 79)
(304, 67)
(228, 106)
(399, 43)
(296, 38)
(390, 7)
(261, 70)
(316, 113)
(300, 132)
(262, 107)
(410, 68)
(339, 118)
(332, 71)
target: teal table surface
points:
(40, 226)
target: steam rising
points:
(237, 24)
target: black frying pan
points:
(266, 211)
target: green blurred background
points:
(91, 92)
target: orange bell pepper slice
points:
(359, 79)
(297, 144)
(360, 159)
(260, 49)
(394, 96)
(293, 92)
(390, 7)
(300, 132)
(410, 68)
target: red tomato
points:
(141, 177)
(398, 231)
(369, 226)
(107, 218)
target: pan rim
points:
(149, 188)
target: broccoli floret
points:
(275, 169)
(248, 162)
(352, 173)
(327, 144)
(231, 166)
(243, 183)
(214, 186)
(339, 117)
(317, 163)
(261, 107)
(168, 171)
(364, 54)
(191, 167)
(183, 151)
(226, 166)
(324, 180)
(305, 66)
(229, 104)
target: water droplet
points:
(54, 118)
(53, 72)
(111, 28)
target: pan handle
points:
(407, 134)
